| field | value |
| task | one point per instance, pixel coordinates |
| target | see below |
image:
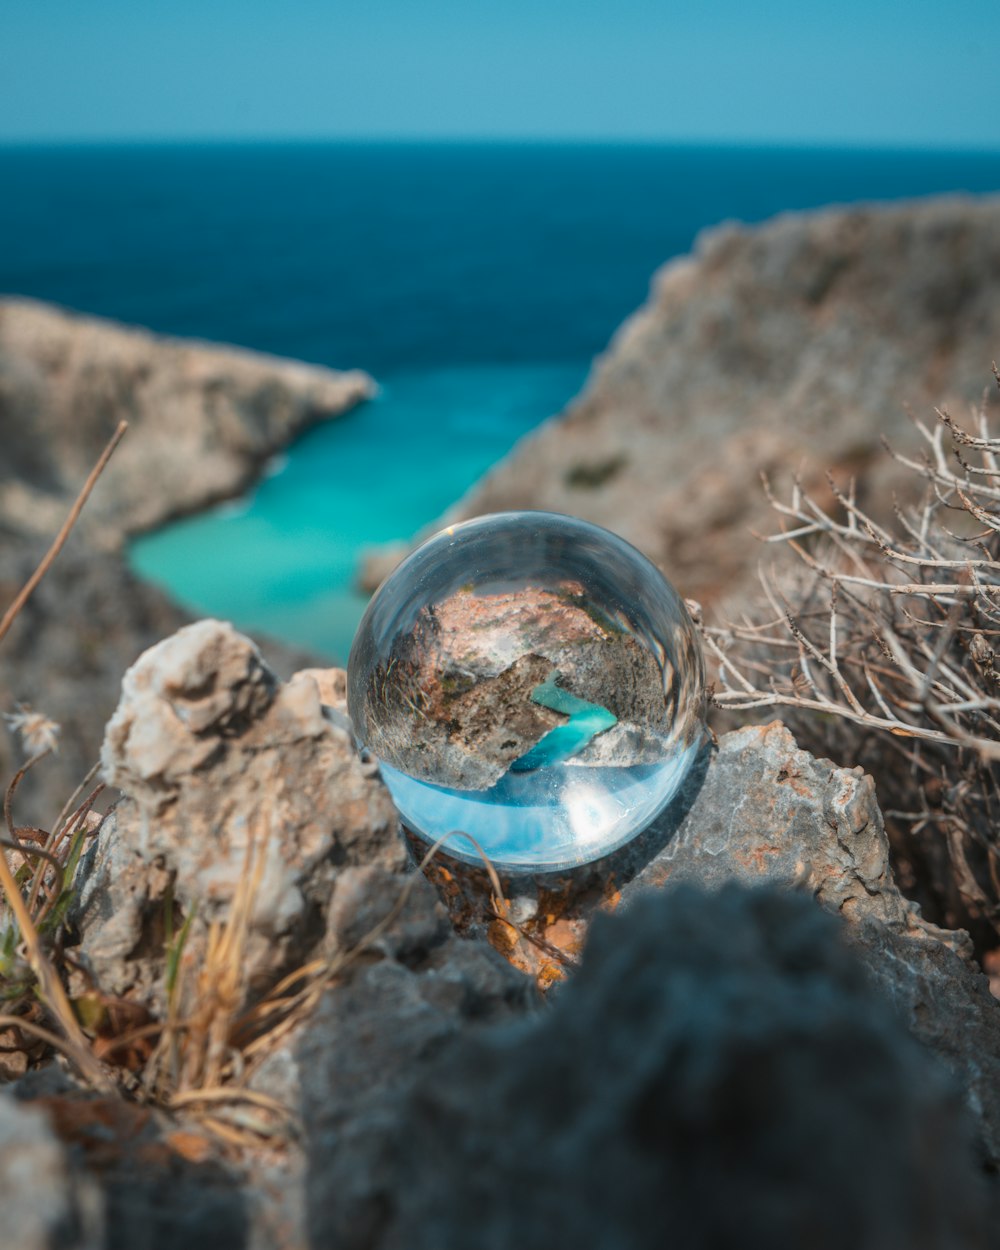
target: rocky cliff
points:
(800, 341)
(203, 419)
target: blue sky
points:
(914, 72)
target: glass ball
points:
(533, 681)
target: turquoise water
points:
(586, 721)
(474, 281)
(550, 818)
(284, 560)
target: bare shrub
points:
(880, 645)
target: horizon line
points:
(404, 140)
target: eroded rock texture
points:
(714, 1039)
(211, 752)
(793, 344)
(769, 812)
(757, 810)
(203, 418)
(226, 773)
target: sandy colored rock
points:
(208, 747)
(797, 342)
(226, 772)
(203, 418)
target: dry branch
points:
(59, 541)
(892, 636)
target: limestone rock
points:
(709, 1043)
(792, 344)
(226, 773)
(45, 1205)
(203, 418)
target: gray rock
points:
(709, 1045)
(768, 812)
(758, 810)
(44, 1203)
(737, 1043)
(719, 1073)
(374, 1035)
(207, 746)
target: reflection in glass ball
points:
(531, 680)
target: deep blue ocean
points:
(475, 282)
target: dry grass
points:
(33, 894)
(880, 646)
(199, 1058)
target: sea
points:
(475, 282)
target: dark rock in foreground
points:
(758, 810)
(769, 812)
(719, 1073)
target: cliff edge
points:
(798, 342)
(203, 418)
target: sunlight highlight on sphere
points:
(533, 681)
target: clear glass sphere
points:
(532, 680)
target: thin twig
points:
(10, 615)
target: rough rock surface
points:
(226, 772)
(769, 812)
(757, 810)
(208, 747)
(719, 1073)
(44, 1203)
(425, 1055)
(203, 418)
(805, 338)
